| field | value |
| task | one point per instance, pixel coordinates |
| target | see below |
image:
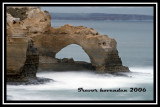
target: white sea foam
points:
(72, 80)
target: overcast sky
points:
(88, 9)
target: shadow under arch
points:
(74, 51)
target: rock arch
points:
(101, 49)
(36, 24)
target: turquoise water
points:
(135, 46)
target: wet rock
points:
(66, 60)
(29, 81)
(69, 66)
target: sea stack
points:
(32, 40)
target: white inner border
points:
(81, 3)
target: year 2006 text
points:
(138, 90)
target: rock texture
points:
(22, 56)
(22, 59)
(36, 24)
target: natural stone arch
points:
(48, 40)
(73, 51)
(101, 49)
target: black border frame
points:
(84, 101)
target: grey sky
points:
(88, 9)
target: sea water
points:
(135, 47)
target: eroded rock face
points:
(22, 56)
(22, 59)
(36, 24)
(31, 20)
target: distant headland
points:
(101, 16)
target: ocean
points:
(135, 47)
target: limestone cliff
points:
(36, 24)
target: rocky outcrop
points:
(64, 64)
(22, 56)
(36, 24)
(31, 20)
(101, 49)
(22, 59)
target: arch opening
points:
(73, 51)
